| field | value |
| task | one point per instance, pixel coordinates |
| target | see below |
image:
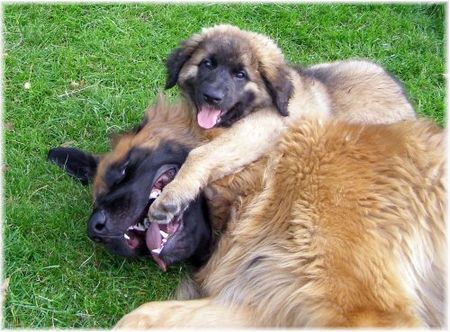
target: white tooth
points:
(164, 241)
(163, 234)
(156, 251)
(125, 235)
(154, 194)
(139, 227)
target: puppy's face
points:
(126, 182)
(225, 78)
(223, 83)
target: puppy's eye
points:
(241, 74)
(207, 63)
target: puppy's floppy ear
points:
(174, 63)
(179, 56)
(78, 164)
(280, 88)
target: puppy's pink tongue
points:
(207, 117)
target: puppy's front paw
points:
(165, 208)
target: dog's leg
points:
(194, 313)
(243, 143)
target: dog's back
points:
(376, 197)
(361, 91)
(348, 230)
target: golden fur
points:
(342, 225)
(353, 91)
(330, 223)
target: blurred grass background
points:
(75, 73)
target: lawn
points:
(73, 74)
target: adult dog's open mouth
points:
(155, 236)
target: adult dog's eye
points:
(207, 63)
(123, 171)
(241, 74)
(121, 174)
(123, 168)
(116, 175)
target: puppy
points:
(240, 86)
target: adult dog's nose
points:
(97, 226)
(213, 97)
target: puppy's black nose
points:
(97, 226)
(213, 97)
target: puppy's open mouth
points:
(155, 236)
(208, 117)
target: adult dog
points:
(239, 80)
(342, 226)
(127, 180)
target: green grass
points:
(58, 278)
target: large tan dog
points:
(127, 179)
(239, 80)
(341, 225)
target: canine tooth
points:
(154, 194)
(147, 223)
(125, 235)
(163, 234)
(156, 251)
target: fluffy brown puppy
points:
(239, 80)
(344, 228)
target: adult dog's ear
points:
(78, 164)
(280, 88)
(174, 63)
(116, 137)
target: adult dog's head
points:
(128, 179)
(227, 73)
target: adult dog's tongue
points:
(153, 241)
(207, 117)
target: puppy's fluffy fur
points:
(353, 91)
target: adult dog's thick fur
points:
(342, 226)
(240, 80)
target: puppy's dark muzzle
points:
(213, 97)
(213, 90)
(97, 226)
